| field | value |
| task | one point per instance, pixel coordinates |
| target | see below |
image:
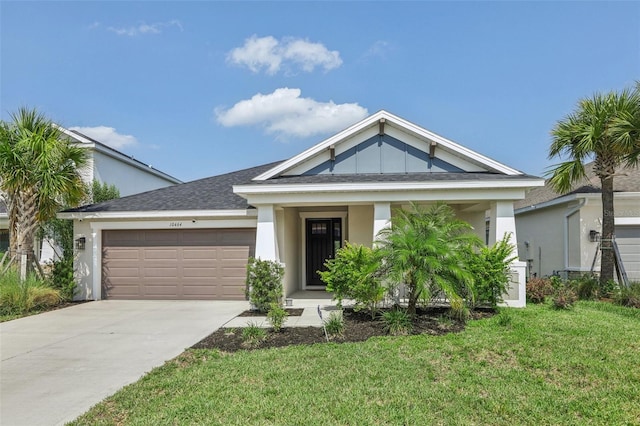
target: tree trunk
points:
(608, 224)
(26, 204)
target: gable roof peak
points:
(392, 119)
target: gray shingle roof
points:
(216, 193)
(626, 180)
(213, 193)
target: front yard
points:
(529, 366)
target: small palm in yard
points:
(424, 249)
(253, 334)
(334, 325)
(397, 322)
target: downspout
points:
(568, 214)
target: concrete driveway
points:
(57, 365)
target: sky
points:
(202, 88)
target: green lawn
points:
(545, 367)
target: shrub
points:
(353, 274)
(459, 311)
(276, 316)
(629, 296)
(264, 283)
(334, 325)
(609, 289)
(445, 321)
(23, 297)
(62, 277)
(252, 335)
(538, 289)
(397, 322)
(586, 287)
(564, 297)
(490, 268)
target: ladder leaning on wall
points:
(617, 261)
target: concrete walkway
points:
(55, 366)
(309, 317)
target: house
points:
(104, 164)
(192, 241)
(558, 234)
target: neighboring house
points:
(107, 165)
(111, 166)
(558, 234)
(192, 241)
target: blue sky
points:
(202, 88)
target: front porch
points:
(304, 237)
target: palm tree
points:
(39, 173)
(601, 128)
(424, 249)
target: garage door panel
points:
(239, 272)
(124, 272)
(200, 253)
(628, 240)
(176, 264)
(241, 253)
(121, 253)
(120, 289)
(160, 253)
(163, 273)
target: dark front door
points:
(324, 237)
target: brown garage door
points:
(176, 264)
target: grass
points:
(579, 366)
(19, 299)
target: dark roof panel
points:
(213, 193)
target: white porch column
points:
(502, 221)
(266, 242)
(381, 217)
(96, 259)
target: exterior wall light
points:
(80, 243)
(594, 236)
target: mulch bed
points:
(358, 327)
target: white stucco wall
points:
(360, 225)
(127, 178)
(543, 230)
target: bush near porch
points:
(433, 255)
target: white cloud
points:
(285, 113)
(144, 28)
(108, 136)
(379, 49)
(268, 53)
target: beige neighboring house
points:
(558, 234)
(104, 164)
(192, 241)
